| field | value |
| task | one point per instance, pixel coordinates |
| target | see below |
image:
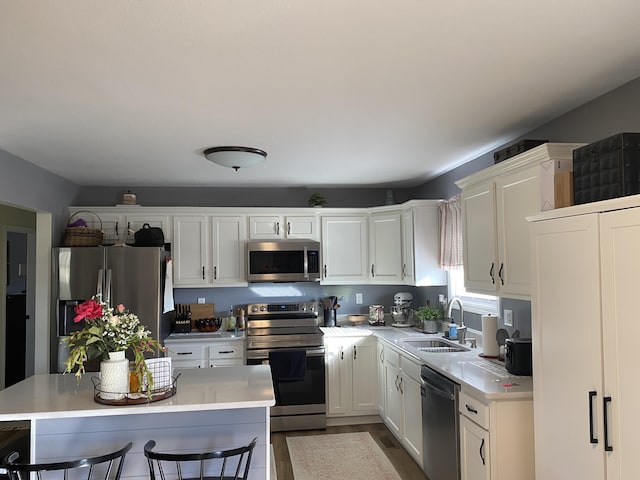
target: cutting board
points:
(198, 310)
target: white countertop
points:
(465, 368)
(58, 395)
(209, 336)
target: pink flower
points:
(89, 309)
(121, 308)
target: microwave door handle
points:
(306, 264)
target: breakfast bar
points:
(212, 408)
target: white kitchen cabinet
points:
(380, 350)
(190, 251)
(344, 250)
(226, 353)
(496, 438)
(421, 245)
(228, 235)
(585, 275)
(204, 258)
(474, 451)
(385, 248)
(403, 401)
(187, 353)
(351, 376)
(495, 203)
(277, 227)
(195, 353)
(135, 222)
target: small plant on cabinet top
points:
(317, 200)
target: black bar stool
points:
(99, 467)
(164, 466)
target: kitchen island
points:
(212, 408)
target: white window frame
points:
(472, 302)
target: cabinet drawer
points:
(222, 351)
(186, 351)
(474, 410)
(227, 362)
(410, 368)
(186, 364)
(391, 356)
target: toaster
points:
(517, 356)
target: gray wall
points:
(25, 185)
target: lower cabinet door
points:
(412, 417)
(393, 399)
(474, 451)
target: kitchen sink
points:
(434, 346)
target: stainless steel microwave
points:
(283, 261)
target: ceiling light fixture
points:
(235, 157)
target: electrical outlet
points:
(359, 299)
(201, 299)
(508, 318)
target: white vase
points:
(114, 376)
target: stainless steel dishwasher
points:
(440, 428)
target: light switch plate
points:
(359, 299)
(508, 318)
(201, 300)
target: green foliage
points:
(429, 313)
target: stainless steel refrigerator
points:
(132, 276)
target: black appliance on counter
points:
(517, 356)
(287, 337)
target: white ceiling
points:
(374, 93)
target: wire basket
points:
(82, 236)
(164, 386)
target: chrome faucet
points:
(462, 329)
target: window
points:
(473, 302)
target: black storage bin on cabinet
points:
(516, 149)
(606, 169)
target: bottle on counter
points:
(231, 321)
(240, 321)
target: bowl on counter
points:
(357, 319)
(208, 324)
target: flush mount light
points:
(235, 157)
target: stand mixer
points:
(401, 311)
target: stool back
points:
(101, 467)
(220, 464)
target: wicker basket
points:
(82, 236)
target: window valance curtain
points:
(451, 234)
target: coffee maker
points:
(401, 311)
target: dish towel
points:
(168, 304)
(288, 365)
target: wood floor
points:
(406, 467)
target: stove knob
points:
(304, 307)
(254, 308)
(263, 308)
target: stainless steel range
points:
(287, 337)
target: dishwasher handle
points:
(442, 393)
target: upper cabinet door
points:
(275, 227)
(190, 250)
(344, 250)
(136, 222)
(479, 238)
(228, 235)
(266, 228)
(385, 247)
(517, 196)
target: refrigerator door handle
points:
(107, 285)
(100, 283)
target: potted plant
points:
(429, 315)
(317, 200)
(108, 334)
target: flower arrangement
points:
(109, 330)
